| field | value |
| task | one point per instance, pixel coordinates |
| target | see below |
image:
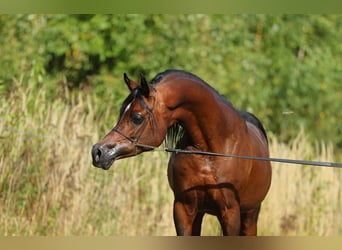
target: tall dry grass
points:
(303, 200)
(49, 187)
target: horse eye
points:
(137, 118)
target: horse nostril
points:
(96, 153)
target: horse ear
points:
(144, 86)
(130, 84)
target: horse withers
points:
(181, 106)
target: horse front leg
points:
(186, 219)
(197, 224)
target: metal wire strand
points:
(282, 160)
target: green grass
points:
(49, 187)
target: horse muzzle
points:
(104, 155)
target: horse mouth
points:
(104, 164)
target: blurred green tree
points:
(284, 68)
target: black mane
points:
(249, 117)
(160, 76)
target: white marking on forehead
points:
(128, 106)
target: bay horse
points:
(180, 106)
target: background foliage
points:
(61, 85)
(284, 68)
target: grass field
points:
(49, 187)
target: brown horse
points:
(177, 101)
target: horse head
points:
(140, 123)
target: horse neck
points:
(208, 120)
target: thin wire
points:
(282, 160)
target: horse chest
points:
(192, 172)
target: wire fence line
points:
(178, 151)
